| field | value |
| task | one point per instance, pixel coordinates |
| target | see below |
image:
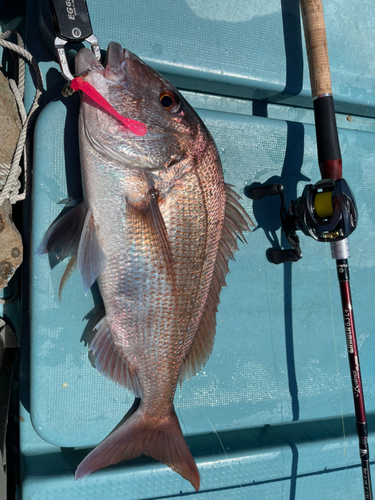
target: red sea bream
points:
(156, 228)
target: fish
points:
(156, 229)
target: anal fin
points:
(108, 359)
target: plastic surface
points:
(253, 50)
(277, 383)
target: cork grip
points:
(316, 44)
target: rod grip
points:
(327, 139)
(316, 45)
(329, 155)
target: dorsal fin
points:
(236, 221)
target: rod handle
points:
(329, 155)
(316, 46)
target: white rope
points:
(10, 174)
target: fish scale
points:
(156, 229)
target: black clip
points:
(72, 25)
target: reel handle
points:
(282, 256)
(259, 192)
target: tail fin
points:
(162, 440)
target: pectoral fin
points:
(157, 221)
(146, 217)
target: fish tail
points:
(161, 439)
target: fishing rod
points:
(327, 210)
(330, 163)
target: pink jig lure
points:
(134, 126)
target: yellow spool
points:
(323, 204)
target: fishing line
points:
(222, 446)
(221, 443)
(335, 345)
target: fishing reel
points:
(326, 211)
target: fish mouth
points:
(115, 63)
(114, 67)
(85, 61)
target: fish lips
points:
(86, 61)
(115, 65)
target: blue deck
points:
(271, 414)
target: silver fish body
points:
(158, 225)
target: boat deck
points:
(271, 414)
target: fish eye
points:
(170, 101)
